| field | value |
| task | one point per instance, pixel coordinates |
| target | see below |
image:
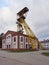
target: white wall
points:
(26, 42)
(15, 43)
(46, 45)
(4, 44)
(21, 43)
(8, 39)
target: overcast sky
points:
(37, 17)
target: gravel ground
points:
(25, 58)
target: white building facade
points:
(45, 44)
(15, 40)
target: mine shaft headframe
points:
(23, 11)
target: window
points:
(9, 46)
(26, 39)
(8, 37)
(3, 41)
(14, 39)
(21, 39)
(27, 46)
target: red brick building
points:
(15, 40)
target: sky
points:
(37, 18)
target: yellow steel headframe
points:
(23, 11)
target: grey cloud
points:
(37, 18)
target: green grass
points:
(46, 53)
(18, 50)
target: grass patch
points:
(46, 53)
(18, 50)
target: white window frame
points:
(21, 42)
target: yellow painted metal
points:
(31, 35)
(29, 32)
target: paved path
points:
(26, 58)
